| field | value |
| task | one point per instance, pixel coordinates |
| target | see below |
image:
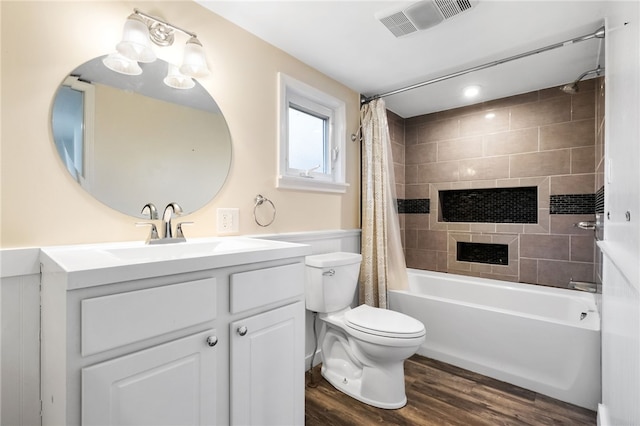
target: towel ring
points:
(259, 201)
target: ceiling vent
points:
(422, 15)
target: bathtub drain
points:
(583, 316)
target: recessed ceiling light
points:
(471, 91)
(490, 115)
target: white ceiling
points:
(344, 40)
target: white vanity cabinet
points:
(265, 378)
(207, 340)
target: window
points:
(311, 138)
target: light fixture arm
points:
(165, 38)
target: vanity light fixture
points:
(194, 63)
(139, 31)
(135, 44)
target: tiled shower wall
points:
(547, 139)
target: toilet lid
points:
(383, 322)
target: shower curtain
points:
(383, 264)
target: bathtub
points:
(540, 338)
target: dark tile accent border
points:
(572, 204)
(600, 200)
(495, 254)
(490, 205)
(415, 206)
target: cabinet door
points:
(170, 384)
(267, 368)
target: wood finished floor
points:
(441, 394)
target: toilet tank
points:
(331, 280)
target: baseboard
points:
(603, 416)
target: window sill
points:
(306, 184)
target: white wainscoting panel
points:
(20, 337)
(322, 241)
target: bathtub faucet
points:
(583, 286)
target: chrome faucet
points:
(169, 211)
(172, 209)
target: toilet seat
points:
(383, 322)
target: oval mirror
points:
(130, 140)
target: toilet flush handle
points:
(329, 273)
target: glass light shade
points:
(135, 43)
(118, 63)
(194, 63)
(177, 80)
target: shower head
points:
(572, 88)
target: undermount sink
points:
(192, 248)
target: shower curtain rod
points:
(599, 33)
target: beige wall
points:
(43, 41)
(544, 138)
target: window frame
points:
(312, 101)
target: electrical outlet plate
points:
(228, 220)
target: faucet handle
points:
(179, 233)
(153, 235)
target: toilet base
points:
(354, 387)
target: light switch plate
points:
(228, 220)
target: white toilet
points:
(363, 349)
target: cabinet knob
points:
(242, 330)
(212, 341)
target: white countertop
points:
(97, 264)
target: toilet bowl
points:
(363, 349)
